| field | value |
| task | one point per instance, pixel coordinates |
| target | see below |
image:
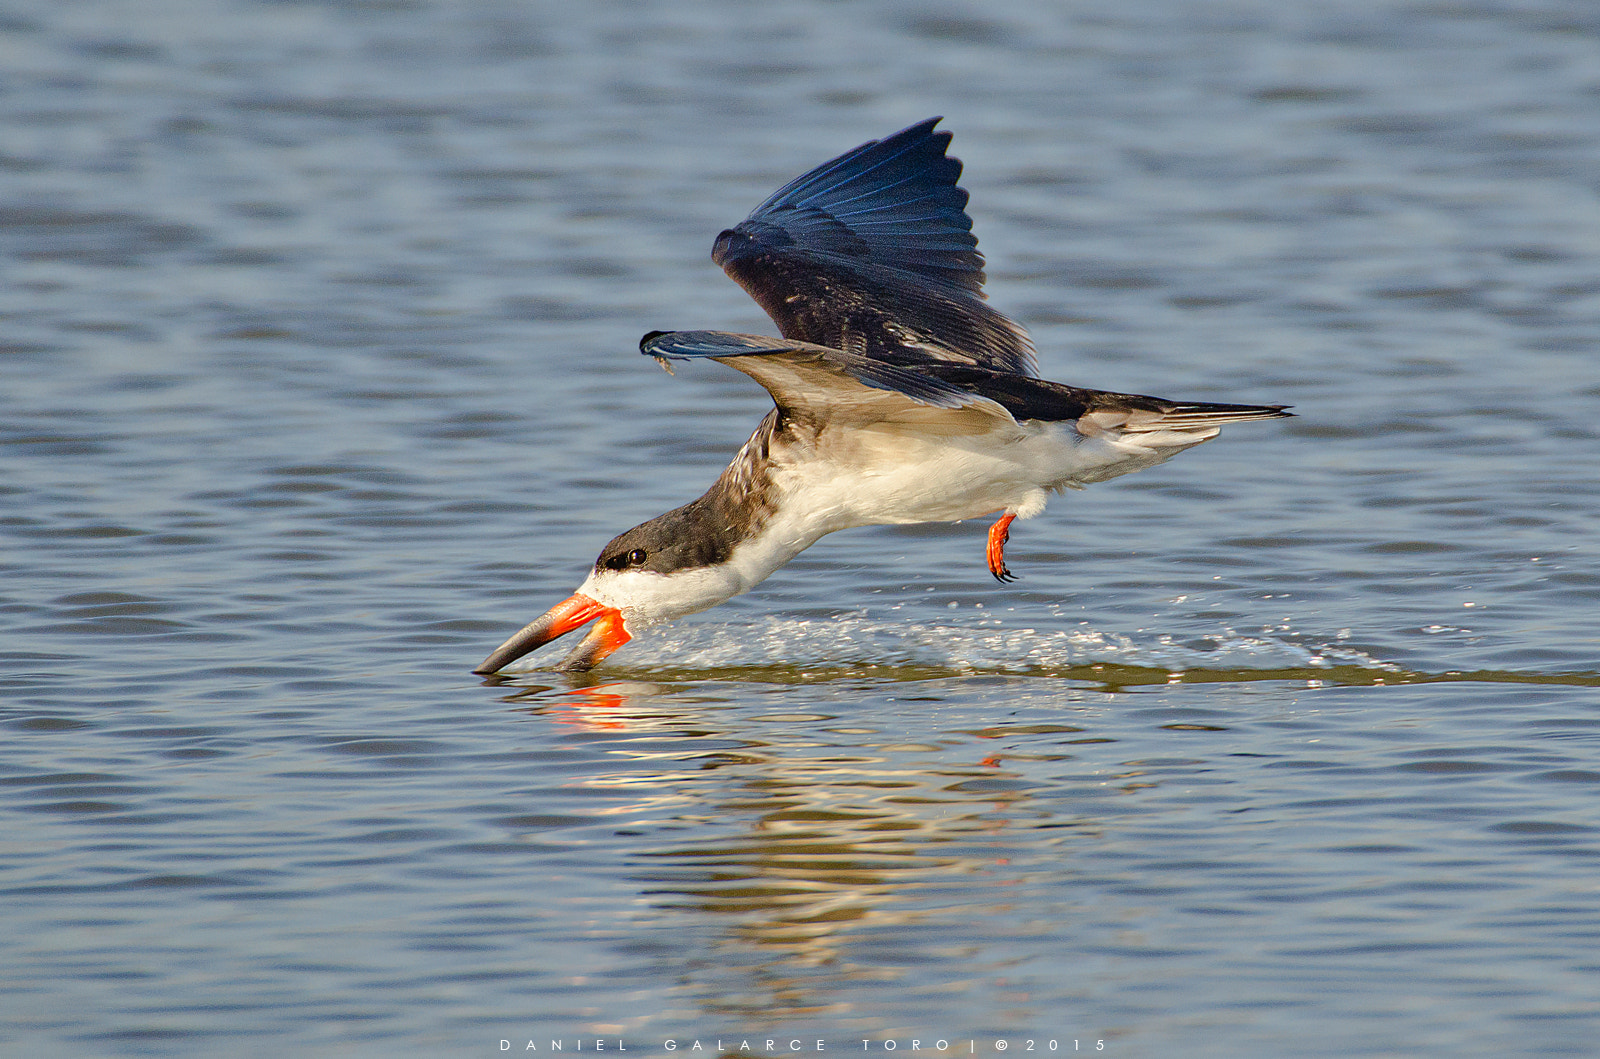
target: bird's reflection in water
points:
(602, 707)
(814, 856)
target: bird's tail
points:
(1165, 423)
(1202, 416)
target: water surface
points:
(318, 349)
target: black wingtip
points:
(895, 201)
(649, 336)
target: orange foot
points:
(999, 533)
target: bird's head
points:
(655, 572)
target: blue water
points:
(318, 346)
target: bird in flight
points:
(899, 396)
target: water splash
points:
(789, 648)
(987, 645)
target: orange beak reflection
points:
(606, 636)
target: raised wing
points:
(818, 384)
(873, 253)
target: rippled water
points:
(318, 331)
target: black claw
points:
(1003, 575)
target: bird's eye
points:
(623, 560)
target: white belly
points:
(862, 477)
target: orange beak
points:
(608, 634)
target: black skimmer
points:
(899, 397)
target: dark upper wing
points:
(873, 253)
(819, 383)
